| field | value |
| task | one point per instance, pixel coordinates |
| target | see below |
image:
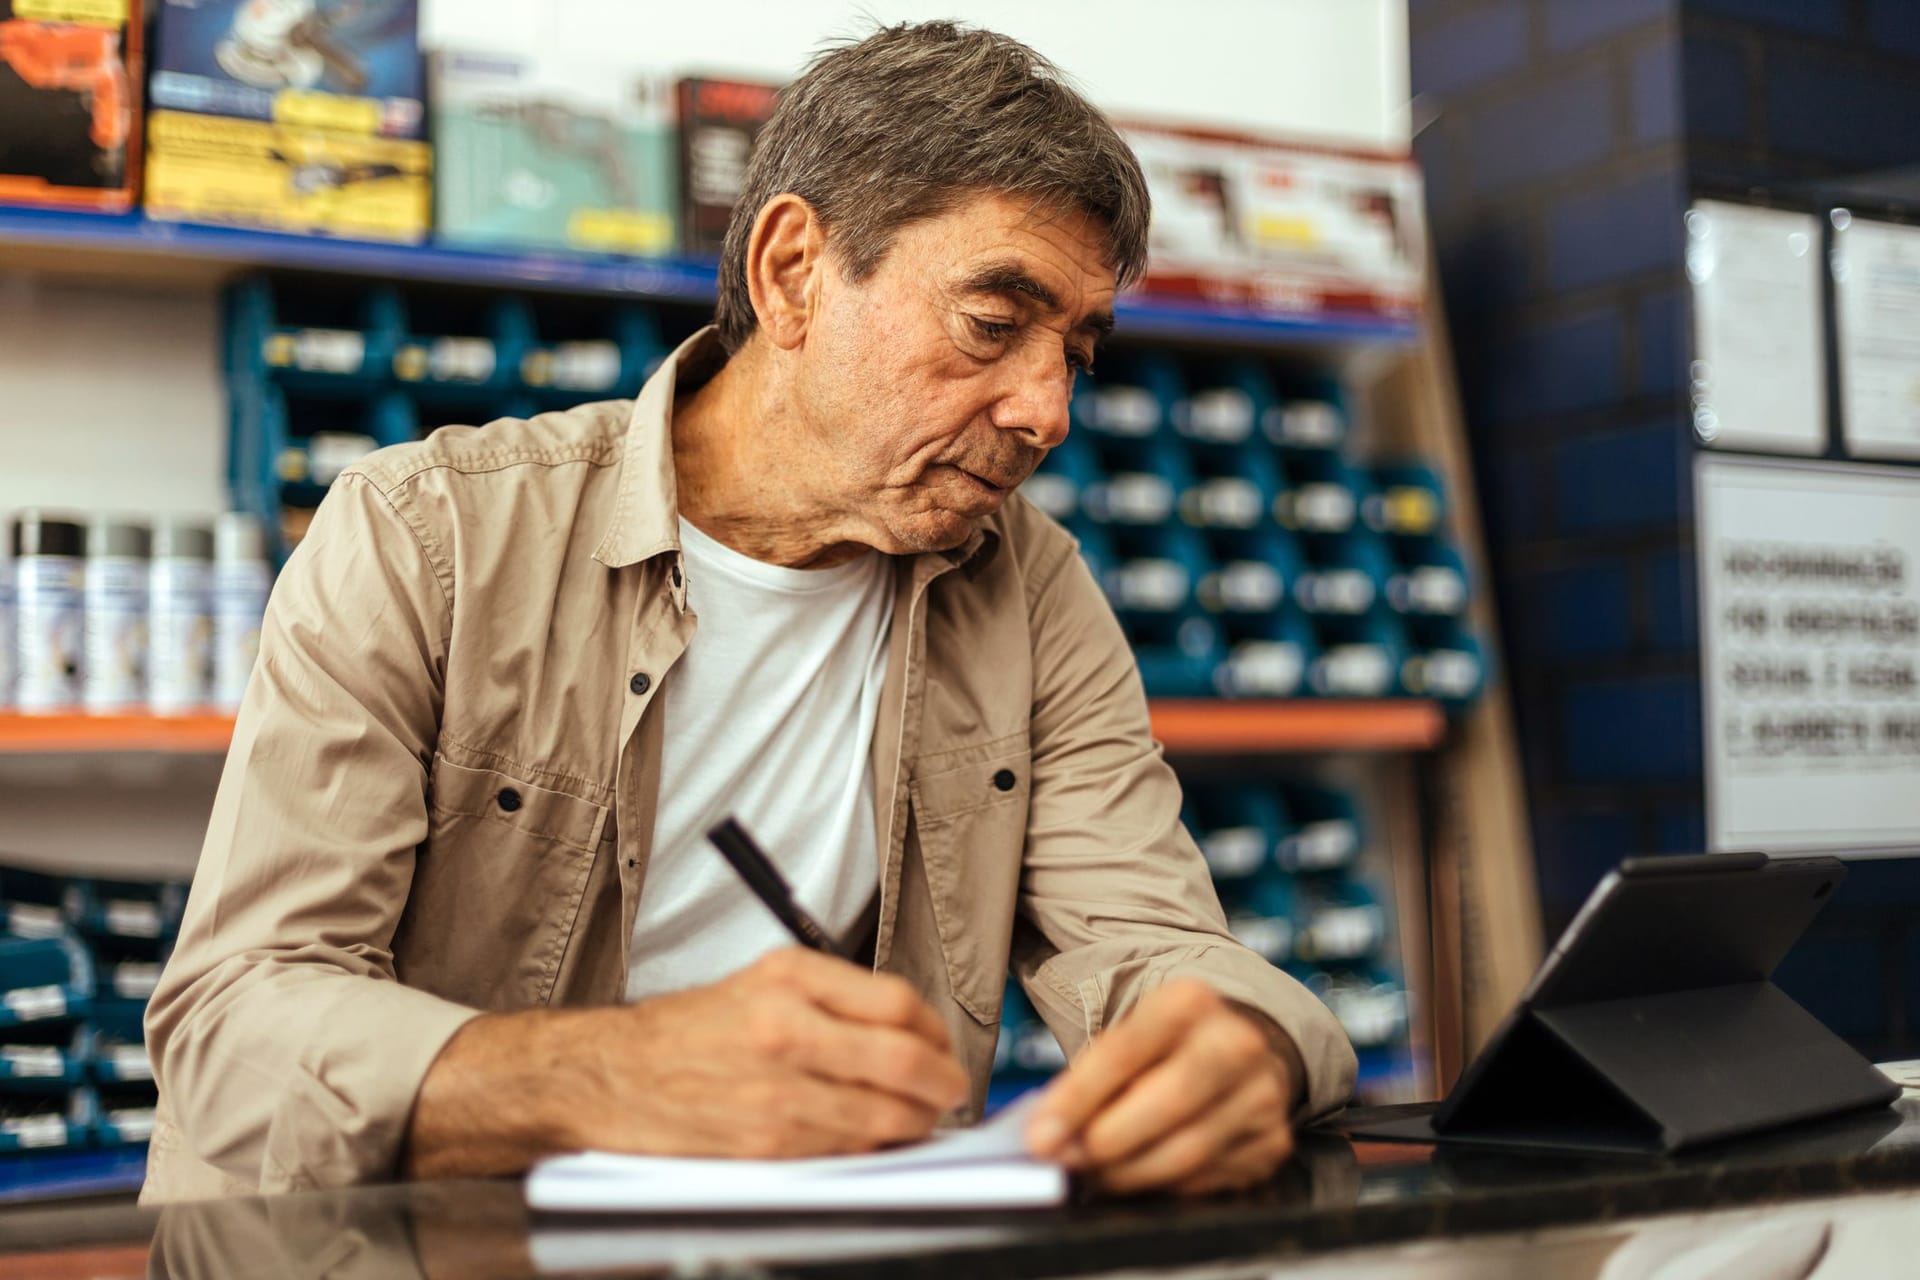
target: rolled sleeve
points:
(1115, 896)
(286, 1049)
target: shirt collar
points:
(646, 513)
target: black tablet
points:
(1653, 1024)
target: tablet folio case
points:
(1661, 1029)
(1660, 1073)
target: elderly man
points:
(455, 910)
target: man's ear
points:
(786, 253)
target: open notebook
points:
(985, 1167)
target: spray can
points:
(242, 577)
(6, 628)
(114, 672)
(180, 619)
(49, 568)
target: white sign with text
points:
(1810, 653)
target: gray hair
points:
(906, 123)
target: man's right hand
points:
(798, 1054)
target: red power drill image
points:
(82, 60)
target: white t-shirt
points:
(769, 719)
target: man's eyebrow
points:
(1010, 279)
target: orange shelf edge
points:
(1201, 725)
(202, 735)
(1184, 725)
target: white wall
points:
(1326, 68)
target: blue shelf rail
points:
(689, 280)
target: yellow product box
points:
(256, 173)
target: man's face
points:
(937, 384)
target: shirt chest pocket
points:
(497, 886)
(970, 818)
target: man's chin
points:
(934, 531)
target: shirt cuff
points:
(1244, 978)
(343, 1117)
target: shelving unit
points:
(1452, 820)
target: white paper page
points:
(1759, 368)
(1876, 280)
(985, 1166)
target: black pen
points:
(771, 887)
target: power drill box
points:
(303, 116)
(70, 74)
(552, 154)
(719, 123)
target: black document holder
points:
(1654, 1027)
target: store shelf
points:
(1219, 727)
(202, 735)
(57, 1175)
(130, 245)
(1187, 726)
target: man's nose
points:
(1036, 409)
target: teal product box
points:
(553, 154)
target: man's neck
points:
(743, 467)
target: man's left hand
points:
(1187, 1093)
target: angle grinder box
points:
(345, 66)
(250, 173)
(552, 154)
(70, 74)
(719, 123)
(290, 115)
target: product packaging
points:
(290, 115)
(549, 154)
(70, 75)
(719, 122)
(1252, 222)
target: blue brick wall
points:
(1655, 92)
(1673, 617)
(1660, 316)
(1834, 108)
(1639, 729)
(1559, 127)
(1894, 26)
(1682, 829)
(1817, 17)
(1585, 611)
(1559, 162)
(1841, 979)
(1570, 363)
(1620, 229)
(1559, 235)
(1575, 849)
(1473, 46)
(1715, 87)
(1572, 24)
(1633, 478)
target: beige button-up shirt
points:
(501, 609)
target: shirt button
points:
(640, 683)
(508, 799)
(675, 573)
(1004, 780)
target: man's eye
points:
(1079, 361)
(992, 330)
